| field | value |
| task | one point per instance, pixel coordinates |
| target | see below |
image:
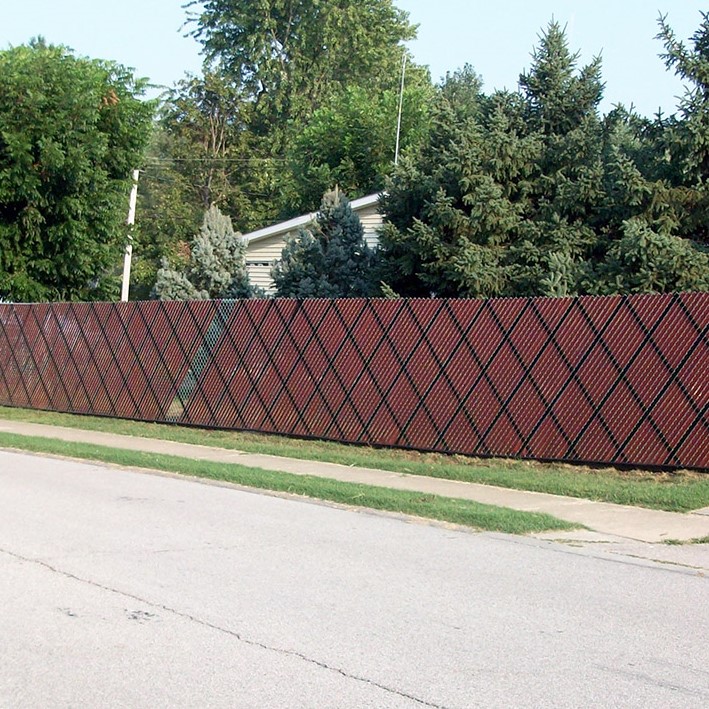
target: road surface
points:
(124, 589)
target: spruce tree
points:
(645, 261)
(216, 266)
(330, 259)
(684, 139)
(535, 193)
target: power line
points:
(252, 159)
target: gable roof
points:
(291, 224)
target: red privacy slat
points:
(611, 380)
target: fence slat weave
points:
(619, 380)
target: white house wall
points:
(260, 257)
(371, 221)
(263, 252)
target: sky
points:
(496, 38)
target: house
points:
(264, 247)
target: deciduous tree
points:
(290, 55)
(350, 141)
(203, 153)
(71, 132)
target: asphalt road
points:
(124, 589)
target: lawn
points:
(678, 491)
(463, 512)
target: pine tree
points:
(216, 267)
(645, 261)
(328, 260)
(684, 140)
(534, 193)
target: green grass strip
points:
(683, 542)
(674, 492)
(464, 512)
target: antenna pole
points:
(401, 106)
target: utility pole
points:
(129, 244)
(401, 106)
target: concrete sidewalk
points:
(618, 520)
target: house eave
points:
(291, 224)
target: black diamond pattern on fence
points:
(620, 380)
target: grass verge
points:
(676, 492)
(682, 542)
(464, 512)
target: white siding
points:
(260, 276)
(264, 247)
(260, 257)
(371, 221)
(267, 249)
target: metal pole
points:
(401, 106)
(129, 244)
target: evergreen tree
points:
(645, 261)
(534, 193)
(216, 267)
(563, 195)
(328, 260)
(558, 100)
(683, 145)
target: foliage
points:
(295, 99)
(645, 261)
(216, 266)
(329, 260)
(203, 154)
(167, 215)
(534, 193)
(71, 132)
(520, 193)
(290, 56)
(320, 80)
(350, 141)
(208, 120)
(557, 100)
(683, 143)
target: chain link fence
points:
(618, 380)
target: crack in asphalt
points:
(227, 631)
(663, 561)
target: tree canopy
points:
(350, 141)
(71, 132)
(526, 192)
(290, 55)
(296, 96)
(536, 193)
(203, 153)
(681, 143)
